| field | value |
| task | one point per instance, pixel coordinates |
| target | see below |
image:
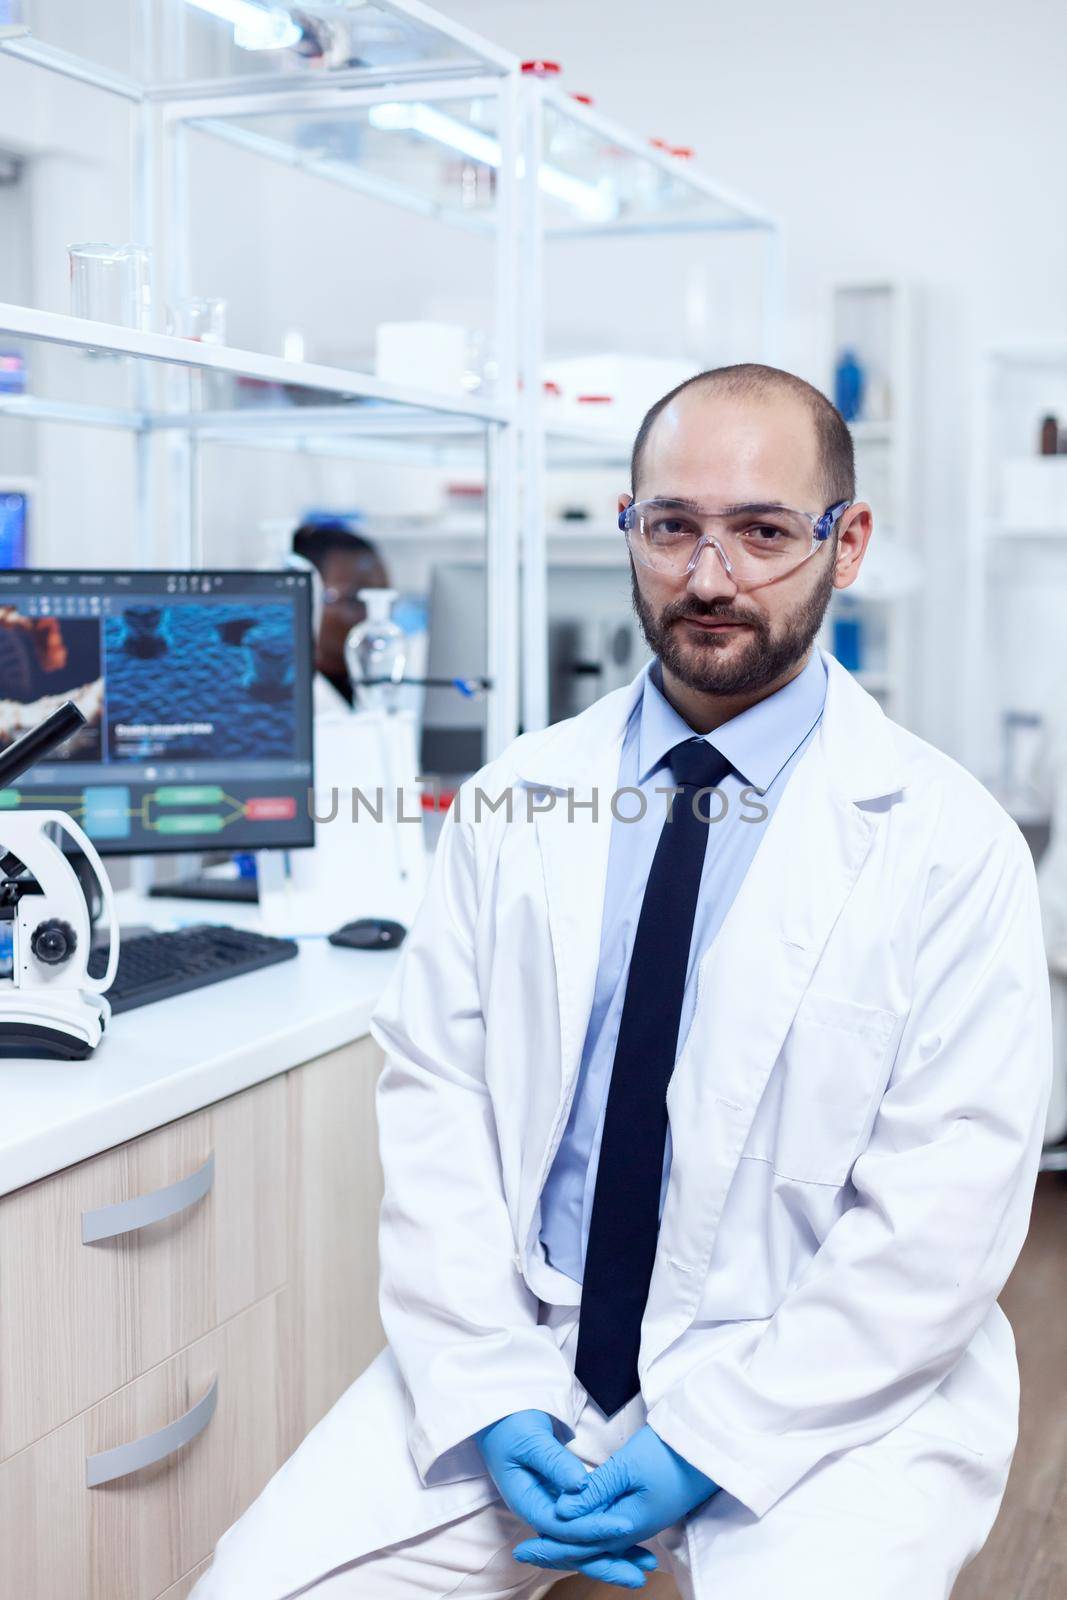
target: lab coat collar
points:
(757, 742)
(858, 742)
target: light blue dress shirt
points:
(763, 744)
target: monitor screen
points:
(196, 689)
(12, 529)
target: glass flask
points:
(376, 650)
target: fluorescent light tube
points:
(583, 197)
(255, 27)
(399, 116)
(415, 117)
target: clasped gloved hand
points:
(531, 1469)
(640, 1489)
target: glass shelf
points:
(222, 43)
(108, 376)
(435, 155)
(440, 153)
(111, 377)
(604, 179)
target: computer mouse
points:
(369, 933)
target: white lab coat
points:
(325, 698)
(856, 1117)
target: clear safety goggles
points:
(757, 544)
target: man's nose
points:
(710, 578)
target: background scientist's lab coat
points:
(857, 1119)
(326, 699)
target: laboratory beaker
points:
(111, 283)
(201, 317)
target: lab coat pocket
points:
(824, 1089)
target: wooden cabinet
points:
(77, 1319)
(231, 1322)
(139, 1532)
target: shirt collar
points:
(757, 742)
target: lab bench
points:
(188, 1265)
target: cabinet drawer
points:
(136, 1534)
(188, 1226)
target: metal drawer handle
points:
(126, 1458)
(109, 1221)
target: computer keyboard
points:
(154, 966)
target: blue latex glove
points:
(531, 1469)
(640, 1489)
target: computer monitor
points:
(196, 687)
(13, 518)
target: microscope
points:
(50, 1006)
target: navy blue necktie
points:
(624, 1226)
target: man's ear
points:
(853, 536)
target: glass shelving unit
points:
(393, 101)
(346, 94)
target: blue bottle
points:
(849, 384)
(848, 640)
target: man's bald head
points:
(749, 381)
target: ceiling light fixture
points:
(255, 27)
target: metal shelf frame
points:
(539, 431)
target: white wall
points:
(925, 142)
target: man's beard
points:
(700, 662)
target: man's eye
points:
(766, 533)
(670, 528)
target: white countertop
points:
(168, 1059)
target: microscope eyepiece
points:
(39, 742)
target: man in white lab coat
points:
(705, 1159)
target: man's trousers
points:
(888, 1520)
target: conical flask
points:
(376, 649)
